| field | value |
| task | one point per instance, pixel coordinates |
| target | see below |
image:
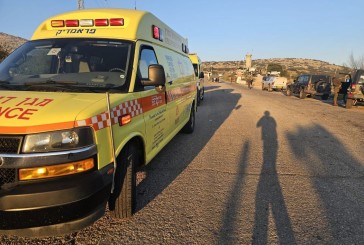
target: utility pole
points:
(80, 4)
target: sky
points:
(327, 30)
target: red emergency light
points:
(117, 22)
(101, 22)
(158, 33)
(72, 23)
(155, 32)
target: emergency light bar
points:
(88, 22)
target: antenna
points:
(80, 4)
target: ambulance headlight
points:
(58, 140)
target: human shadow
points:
(269, 197)
(337, 177)
(230, 219)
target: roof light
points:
(155, 32)
(86, 22)
(161, 34)
(117, 22)
(185, 48)
(101, 22)
(57, 23)
(72, 23)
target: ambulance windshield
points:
(78, 64)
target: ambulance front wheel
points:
(190, 125)
(122, 201)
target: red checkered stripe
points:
(100, 121)
(132, 107)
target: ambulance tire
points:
(190, 125)
(122, 202)
(198, 97)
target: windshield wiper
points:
(51, 81)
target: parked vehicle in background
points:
(196, 62)
(274, 83)
(310, 85)
(355, 92)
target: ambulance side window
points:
(147, 57)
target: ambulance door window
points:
(147, 57)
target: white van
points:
(271, 83)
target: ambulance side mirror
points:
(201, 75)
(156, 76)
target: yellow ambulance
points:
(95, 94)
(196, 62)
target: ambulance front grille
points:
(10, 144)
(7, 176)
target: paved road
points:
(261, 168)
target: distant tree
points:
(285, 73)
(277, 67)
(274, 67)
(356, 63)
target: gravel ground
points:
(260, 168)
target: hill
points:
(292, 66)
(9, 42)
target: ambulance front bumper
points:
(56, 206)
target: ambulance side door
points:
(178, 85)
(153, 104)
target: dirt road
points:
(260, 168)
